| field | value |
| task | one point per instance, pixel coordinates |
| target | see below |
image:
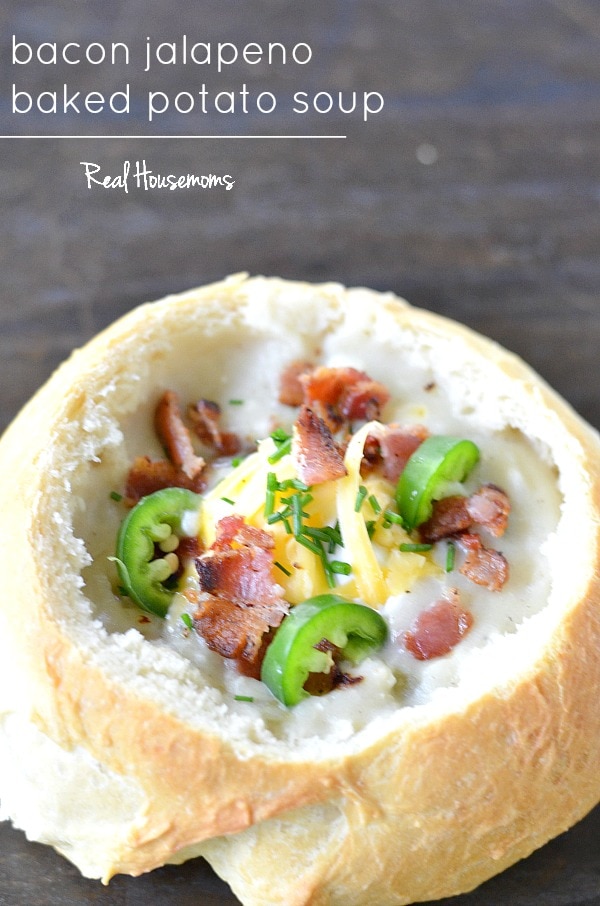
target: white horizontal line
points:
(172, 136)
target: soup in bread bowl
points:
(301, 579)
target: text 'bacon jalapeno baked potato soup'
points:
(316, 532)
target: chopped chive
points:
(287, 524)
(336, 537)
(272, 485)
(340, 567)
(236, 461)
(415, 548)
(186, 618)
(393, 518)
(370, 526)
(283, 442)
(114, 495)
(228, 500)
(243, 698)
(318, 534)
(360, 496)
(293, 483)
(450, 557)
(236, 402)
(297, 514)
(282, 568)
(303, 498)
(310, 545)
(272, 518)
(281, 451)
(374, 503)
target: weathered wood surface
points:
(475, 193)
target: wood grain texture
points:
(475, 193)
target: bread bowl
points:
(417, 783)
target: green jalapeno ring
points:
(152, 520)
(355, 629)
(438, 461)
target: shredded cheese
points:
(378, 568)
(245, 487)
(368, 574)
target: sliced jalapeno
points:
(355, 629)
(153, 521)
(439, 460)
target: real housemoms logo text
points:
(139, 175)
(196, 58)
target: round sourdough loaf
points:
(123, 753)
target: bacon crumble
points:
(205, 416)
(175, 436)
(291, 389)
(490, 508)
(315, 453)
(481, 565)
(183, 467)
(322, 683)
(437, 630)
(392, 448)
(146, 476)
(340, 395)
(240, 604)
(454, 516)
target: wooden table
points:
(475, 193)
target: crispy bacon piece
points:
(291, 390)
(239, 604)
(175, 436)
(392, 448)
(363, 400)
(236, 631)
(322, 683)
(343, 394)
(327, 385)
(439, 629)
(490, 508)
(481, 565)
(146, 476)
(316, 455)
(239, 564)
(205, 416)
(450, 516)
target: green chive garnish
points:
(393, 518)
(415, 548)
(114, 495)
(282, 568)
(360, 496)
(310, 545)
(340, 567)
(272, 485)
(186, 618)
(450, 557)
(228, 500)
(283, 442)
(243, 698)
(374, 503)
